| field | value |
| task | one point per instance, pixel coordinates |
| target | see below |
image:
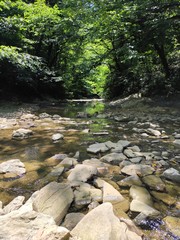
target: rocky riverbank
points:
(130, 185)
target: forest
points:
(88, 48)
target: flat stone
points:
(97, 148)
(172, 174)
(69, 162)
(15, 204)
(138, 206)
(82, 173)
(129, 181)
(13, 166)
(129, 153)
(141, 194)
(54, 199)
(173, 224)
(110, 194)
(164, 197)
(113, 158)
(137, 169)
(154, 182)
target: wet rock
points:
(129, 181)
(30, 225)
(72, 219)
(13, 166)
(57, 137)
(137, 169)
(172, 174)
(154, 182)
(97, 148)
(173, 224)
(15, 204)
(141, 194)
(54, 199)
(22, 133)
(98, 218)
(138, 206)
(82, 173)
(164, 197)
(113, 158)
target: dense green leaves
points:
(86, 48)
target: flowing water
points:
(83, 123)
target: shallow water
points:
(101, 124)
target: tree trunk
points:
(162, 56)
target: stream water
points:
(82, 124)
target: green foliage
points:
(89, 48)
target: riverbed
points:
(152, 126)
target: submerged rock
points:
(173, 224)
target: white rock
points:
(15, 204)
(138, 206)
(57, 137)
(141, 194)
(97, 147)
(21, 133)
(172, 174)
(54, 199)
(137, 169)
(82, 173)
(14, 166)
(102, 224)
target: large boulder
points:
(102, 224)
(30, 225)
(54, 199)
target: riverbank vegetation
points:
(73, 49)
